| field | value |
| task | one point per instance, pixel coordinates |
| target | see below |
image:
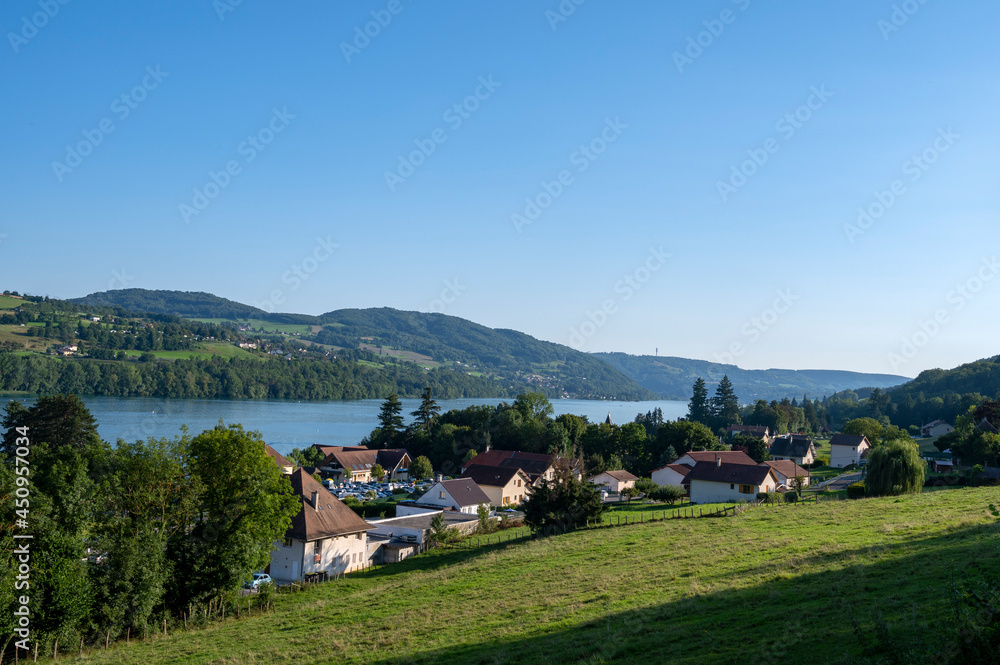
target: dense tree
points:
(725, 406)
(421, 468)
(753, 446)
(427, 411)
(699, 409)
(246, 505)
(686, 435)
(309, 456)
(894, 468)
(562, 504)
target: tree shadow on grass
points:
(893, 610)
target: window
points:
(287, 543)
(731, 486)
(360, 536)
(443, 495)
(746, 489)
(518, 482)
(318, 546)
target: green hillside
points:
(869, 581)
(507, 354)
(672, 378)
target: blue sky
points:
(622, 122)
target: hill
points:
(509, 360)
(874, 580)
(451, 341)
(671, 378)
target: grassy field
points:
(6, 302)
(266, 326)
(203, 350)
(810, 583)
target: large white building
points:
(325, 537)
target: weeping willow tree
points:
(894, 468)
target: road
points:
(840, 482)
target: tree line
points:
(128, 537)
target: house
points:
(786, 471)
(504, 485)
(357, 462)
(722, 482)
(325, 537)
(847, 449)
(396, 538)
(941, 462)
(795, 447)
(936, 428)
(460, 494)
(286, 467)
(985, 426)
(690, 459)
(536, 465)
(615, 481)
(757, 431)
(671, 474)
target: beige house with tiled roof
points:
(536, 465)
(359, 461)
(786, 470)
(325, 537)
(504, 485)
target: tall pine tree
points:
(725, 405)
(698, 407)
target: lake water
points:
(289, 424)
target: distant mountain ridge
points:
(510, 355)
(672, 377)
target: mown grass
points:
(203, 350)
(6, 302)
(775, 585)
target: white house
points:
(720, 482)
(403, 536)
(847, 449)
(795, 447)
(936, 428)
(615, 481)
(671, 474)
(785, 471)
(326, 537)
(460, 494)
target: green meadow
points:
(834, 582)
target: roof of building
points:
(852, 440)
(792, 446)
(533, 464)
(986, 426)
(278, 458)
(679, 468)
(423, 521)
(727, 456)
(620, 475)
(357, 458)
(934, 423)
(744, 474)
(755, 429)
(391, 458)
(491, 475)
(330, 517)
(787, 468)
(464, 491)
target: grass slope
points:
(775, 585)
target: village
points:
(328, 539)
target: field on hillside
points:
(8, 303)
(815, 583)
(266, 326)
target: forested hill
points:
(188, 304)
(451, 341)
(671, 378)
(505, 359)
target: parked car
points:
(258, 579)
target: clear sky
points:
(624, 176)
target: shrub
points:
(764, 496)
(667, 493)
(791, 497)
(856, 491)
(894, 468)
(645, 485)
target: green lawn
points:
(808, 583)
(266, 326)
(6, 302)
(203, 350)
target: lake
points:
(290, 424)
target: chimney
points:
(315, 500)
(440, 477)
(718, 462)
